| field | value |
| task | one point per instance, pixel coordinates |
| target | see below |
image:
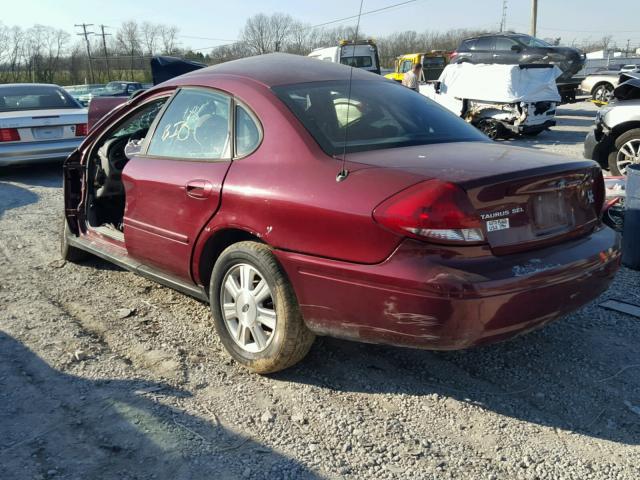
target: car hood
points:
(469, 163)
(629, 88)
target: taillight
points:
(9, 135)
(453, 55)
(433, 210)
(598, 192)
(81, 130)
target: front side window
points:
(138, 124)
(194, 125)
(247, 133)
(504, 43)
(377, 115)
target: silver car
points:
(38, 122)
(600, 85)
(614, 141)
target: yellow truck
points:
(433, 64)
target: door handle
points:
(199, 189)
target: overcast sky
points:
(221, 21)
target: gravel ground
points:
(105, 375)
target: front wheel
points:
(255, 310)
(626, 152)
(67, 252)
(602, 94)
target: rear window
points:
(378, 115)
(34, 97)
(358, 62)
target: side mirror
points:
(133, 147)
(516, 48)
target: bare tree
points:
(150, 36)
(128, 38)
(265, 34)
(168, 36)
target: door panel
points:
(173, 189)
(162, 219)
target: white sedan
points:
(38, 123)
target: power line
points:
(86, 34)
(324, 24)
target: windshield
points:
(379, 114)
(34, 97)
(531, 41)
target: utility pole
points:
(104, 47)
(86, 34)
(503, 22)
(534, 17)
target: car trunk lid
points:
(525, 198)
(44, 125)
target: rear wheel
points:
(626, 152)
(491, 128)
(255, 310)
(67, 252)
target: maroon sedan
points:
(298, 205)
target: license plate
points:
(47, 133)
(550, 211)
(499, 224)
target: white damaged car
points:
(500, 100)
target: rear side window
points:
(194, 125)
(247, 133)
(379, 114)
(34, 97)
(484, 43)
(468, 44)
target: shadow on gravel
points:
(12, 196)
(38, 175)
(532, 378)
(61, 426)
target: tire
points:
(629, 142)
(491, 128)
(601, 93)
(67, 252)
(281, 339)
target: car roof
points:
(280, 69)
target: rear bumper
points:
(34, 152)
(539, 127)
(425, 297)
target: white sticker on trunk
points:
(499, 224)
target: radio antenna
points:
(344, 173)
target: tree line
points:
(46, 54)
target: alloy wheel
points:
(628, 153)
(247, 308)
(603, 94)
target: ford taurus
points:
(300, 203)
